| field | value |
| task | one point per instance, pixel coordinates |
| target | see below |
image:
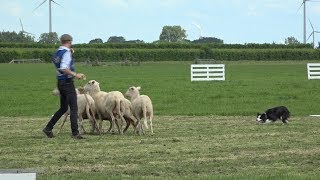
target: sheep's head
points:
(55, 92)
(91, 86)
(133, 91)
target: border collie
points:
(273, 114)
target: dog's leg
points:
(268, 121)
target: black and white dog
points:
(273, 114)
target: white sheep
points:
(141, 108)
(107, 104)
(126, 110)
(86, 107)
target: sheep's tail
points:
(88, 111)
(144, 111)
(122, 107)
(118, 107)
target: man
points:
(64, 63)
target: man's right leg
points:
(63, 108)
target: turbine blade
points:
(21, 24)
(311, 24)
(300, 7)
(39, 5)
(310, 35)
(316, 31)
(29, 33)
(56, 3)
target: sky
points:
(234, 21)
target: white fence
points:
(313, 70)
(25, 61)
(207, 72)
(18, 176)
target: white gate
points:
(313, 70)
(207, 72)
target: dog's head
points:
(261, 117)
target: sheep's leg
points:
(136, 129)
(150, 118)
(144, 111)
(81, 128)
(93, 125)
(110, 127)
(100, 123)
(91, 118)
(112, 120)
(128, 122)
(140, 127)
(118, 124)
(64, 120)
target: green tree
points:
(49, 38)
(208, 40)
(6, 36)
(96, 41)
(172, 34)
(135, 41)
(291, 40)
(116, 39)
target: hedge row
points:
(161, 46)
(6, 55)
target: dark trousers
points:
(68, 98)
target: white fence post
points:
(207, 72)
(313, 70)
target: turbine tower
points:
(50, 16)
(304, 19)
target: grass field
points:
(249, 87)
(202, 129)
(233, 147)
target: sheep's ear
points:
(138, 87)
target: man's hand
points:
(80, 76)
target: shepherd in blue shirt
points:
(64, 63)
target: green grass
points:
(212, 147)
(249, 87)
(202, 129)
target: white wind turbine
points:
(312, 33)
(304, 19)
(199, 28)
(22, 30)
(50, 18)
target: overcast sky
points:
(234, 21)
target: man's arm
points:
(65, 63)
(71, 73)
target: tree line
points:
(169, 34)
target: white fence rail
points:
(25, 61)
(313, 70)
(207, 72)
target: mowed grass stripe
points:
(182, 146)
